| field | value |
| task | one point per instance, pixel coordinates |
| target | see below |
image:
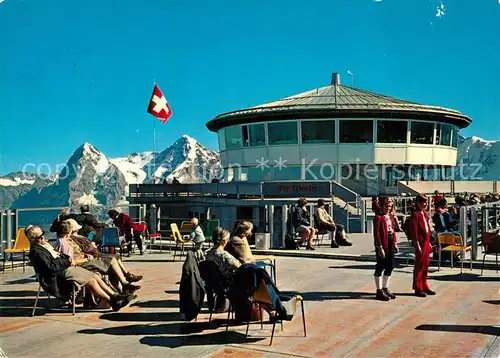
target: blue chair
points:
(111, 238)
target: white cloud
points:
(440, 10)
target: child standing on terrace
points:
(384, 233)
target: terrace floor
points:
(343, 319)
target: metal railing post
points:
(270, 213)
(486, 218)
(474, 232)
(152, 218)
(363, 216)
(463, 222)
(284, 215)
(8, 227)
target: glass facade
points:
(354, 131)
(257, 134)
(222, 139)
(422, 132)
(443, 132)
(454, 138)
(287, 173)
(282, 133)
(391, 131)
(314, 132)
(233, 137)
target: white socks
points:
(378, 282)
(385, 281)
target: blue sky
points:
(82, 71)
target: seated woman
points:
(302, 225)
(90, 248)
(55, 268)
(226, 263)
(326, 222)
(108, 265)
(238, 245)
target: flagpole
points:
(154, 142)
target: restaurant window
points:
(282, 133)
(444, 131)
(454, 138)
(422, 132)
(356, 131)
(222, 139)
(233, 137)
(391, 131)
(287, 173)
(244, 136)
(318, 132)
(257, 134)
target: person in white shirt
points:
(325, 222)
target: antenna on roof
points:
(336, 78)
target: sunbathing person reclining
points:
(53, 266)
(105, 265)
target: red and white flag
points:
(158, 105)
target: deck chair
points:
(215, 287)
(185, 226)
(491, 245)
(211, 226)
(179, 239)
(262, 296)
(111, 239)
(455, 243)
(320, 233)
(21, 246)
(46, 288)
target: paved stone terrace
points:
(343, 319)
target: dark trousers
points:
(137, 239)
(386, 263)
(339, 230)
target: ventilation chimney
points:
(336, 78)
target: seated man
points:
(198, 237)
(57, 268)
(302, 225)
(105, 264)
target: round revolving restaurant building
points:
(364, 140)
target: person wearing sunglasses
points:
(57, 270)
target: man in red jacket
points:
(419, 231)
(124, 223)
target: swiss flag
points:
(158, 105)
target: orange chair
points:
(21, 246)
(179, 239)
(455, 243)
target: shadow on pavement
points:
(18, 294)
(491, 330)
(355, 267)
(199, 340)
(22, 281)
(492, 302)
(151, 329)
(157, 304)
(325, 296)
(143, 316)
(465, 277)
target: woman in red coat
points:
(419, 232)
(384, 233)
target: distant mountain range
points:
(90, 177)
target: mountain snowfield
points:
(90, 177)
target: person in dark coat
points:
(88, 221)
(57, 272)
(191, 291)
(124, 223)
(56, 224)
(302, 224)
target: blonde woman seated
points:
(54, 267)
(68, 247)
(238, 245)
(226, 263)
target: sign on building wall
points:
(296, 189)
